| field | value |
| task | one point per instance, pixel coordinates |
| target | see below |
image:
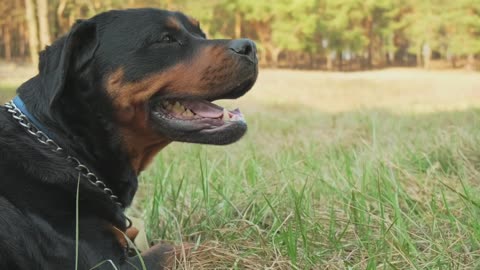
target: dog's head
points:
(158, 73)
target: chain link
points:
(54, 147)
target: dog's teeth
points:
(188, 113)
(178, 108)
(226, 115)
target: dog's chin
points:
(203, 131)
(197, 119)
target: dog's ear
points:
(67, 56)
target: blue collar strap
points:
(21, 106)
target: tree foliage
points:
(368, 33)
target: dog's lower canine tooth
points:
(226, 115)
(188, 113)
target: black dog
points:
(109, 95)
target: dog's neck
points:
(85, 130)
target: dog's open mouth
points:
(197, 120)
(197, 110)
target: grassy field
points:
(373, 170)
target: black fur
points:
(38, 187)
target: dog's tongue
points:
(204, 108)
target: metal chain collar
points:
(45, 140)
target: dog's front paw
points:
(168, 256)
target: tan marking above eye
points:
(193, 21)
(173, 23)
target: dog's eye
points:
(168, 39)
(162, 41)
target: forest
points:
(305, 34)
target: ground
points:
(370, 170)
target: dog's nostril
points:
(247, 50)
(244, 47)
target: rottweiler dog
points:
(109, 95)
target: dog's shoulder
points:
(26, 235)
(15, 233)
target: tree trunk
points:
(470, 62)
(264, 33)
(22, 34)
(44, 29)
(267, 54)
(1, 35)
(454, 61)
(370, 42)
(32, 30)
(62, 22)
(419, 56)
(7, 41)
(22, 37)
(275, 54)
(427, 55)
(72, 16)
(329, 60)
(340, 60)
(391, 58)
(238, 25)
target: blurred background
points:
(397, 39)
(309, 34)
(363, 150)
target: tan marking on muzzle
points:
(207, 71)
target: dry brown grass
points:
(215, 255)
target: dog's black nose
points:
(245, 47)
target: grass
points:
(342, 171)
(376, 170)
(365, 190)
